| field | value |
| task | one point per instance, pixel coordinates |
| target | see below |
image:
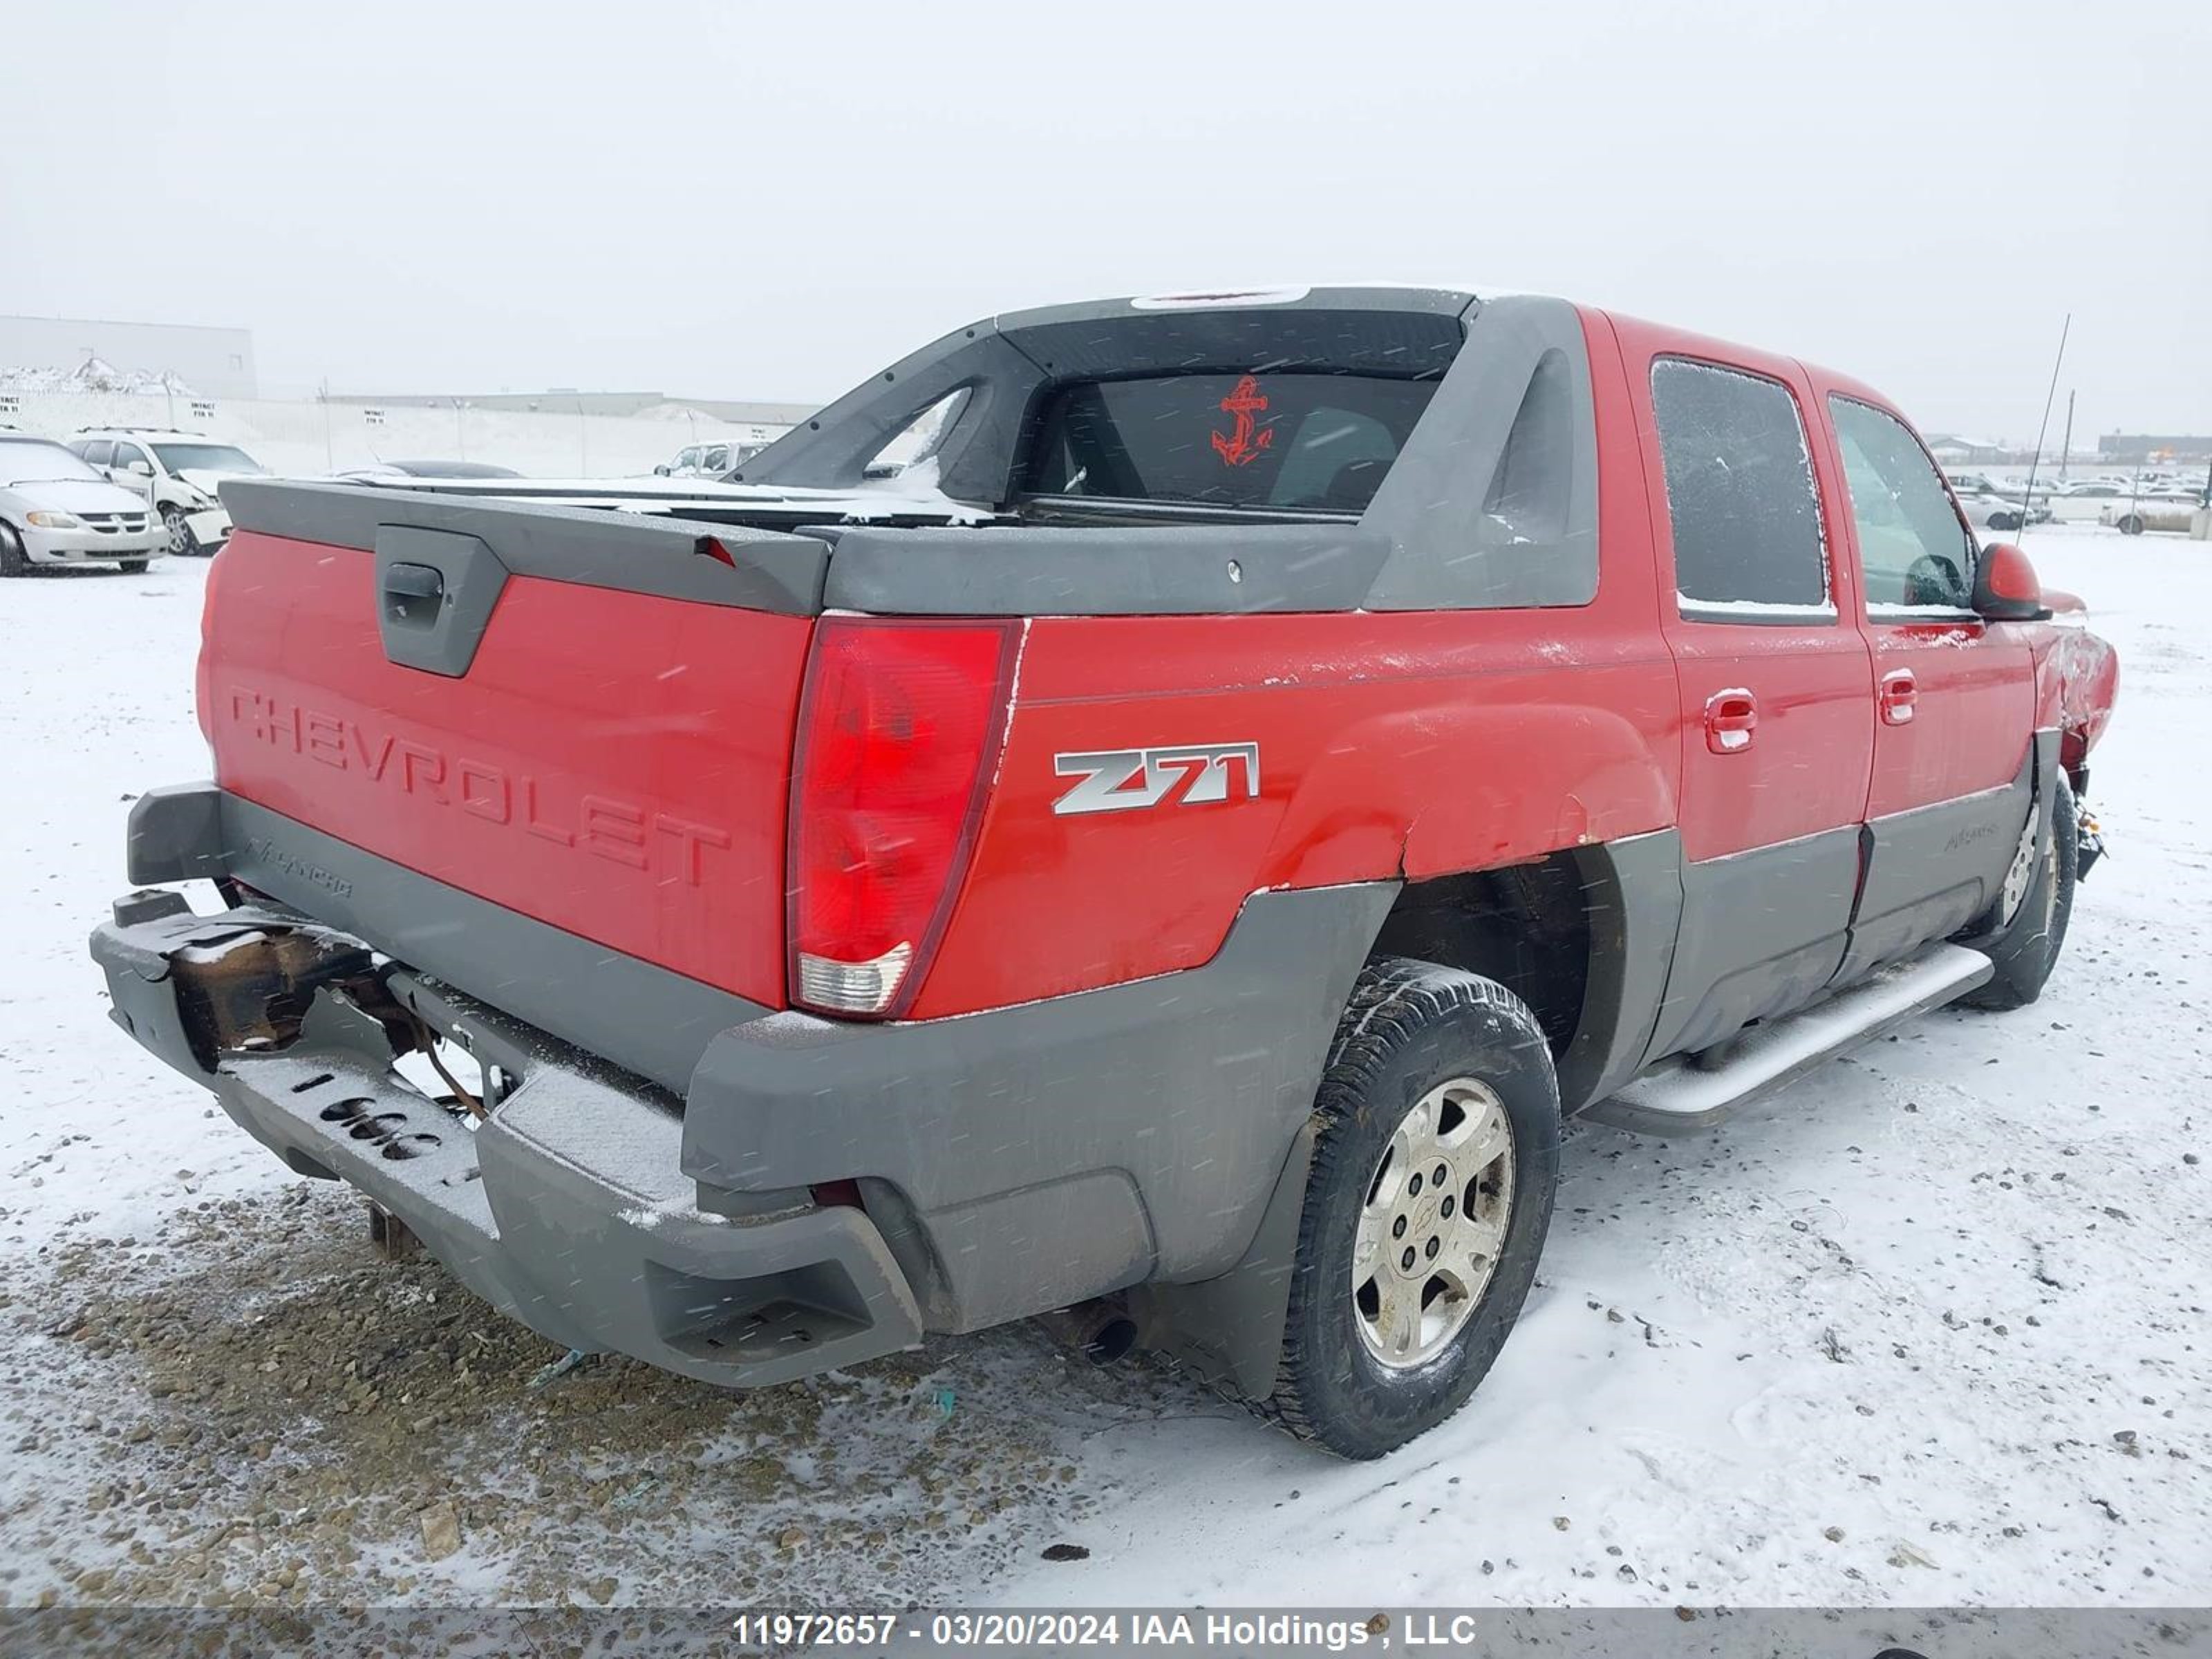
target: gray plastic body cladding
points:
(1229, 1329)
(641, 1016)
(1632, 888)
(770, 570)
(1005, 362)
(1156, 1115)
(1103, 571)
(175, 834)
(1763, 932)
(1934, 870)
(470, 579)
(1449, 552)
(566, 1210)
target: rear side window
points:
(99, 452)
(1740, 493)
(1288, 441)
(1915, 553)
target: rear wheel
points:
(1426, 1210)
(2036, 902)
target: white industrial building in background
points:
(215, 362)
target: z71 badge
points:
(1192, 775)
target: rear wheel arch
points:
(1583, 936)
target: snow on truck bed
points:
(1929, 1327)
(912, 494)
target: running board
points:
(1679, 1098)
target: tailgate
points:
(583, 717)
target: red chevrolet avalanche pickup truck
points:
(1175, 849)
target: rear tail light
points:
(900, 726)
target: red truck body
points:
(1660, 817)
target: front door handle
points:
(1901, 692)
(1731, 717)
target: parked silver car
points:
(707, 460)
(54, 509)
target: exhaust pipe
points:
(1100, 1330)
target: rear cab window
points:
(1749, 544)
(1289, 441)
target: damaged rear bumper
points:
(565, 1208)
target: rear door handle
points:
(1901, 692)
(1731, 718)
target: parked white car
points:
(1999, 506)
(174, 472)
(54, 509)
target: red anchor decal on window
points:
(1241, 447)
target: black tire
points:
(2004, 521)
(183, 543)
(2130, 524)
(2027, 949)
(1410, 1027)
(132, 567)
(13, 561)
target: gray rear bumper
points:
(1010, 1163)
(566, 1209)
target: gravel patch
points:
(252, 1409)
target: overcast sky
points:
(770, 201)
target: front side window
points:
(1916, 554)
(1740, 493)
(1289, 440)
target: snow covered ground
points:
(1931, 1328)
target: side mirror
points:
(144, 469)
(2006, 588)
(660, 471)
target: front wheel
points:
(182, 543)
(2131, 524)
(2004, 521)
(2036, 903)
(1431, 1191)
(132, 567)
(14, 561)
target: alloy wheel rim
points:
(1432, 1223)
(2020, 870)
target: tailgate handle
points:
(434, 593)
(414, 595)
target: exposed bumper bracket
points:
(568, 1209)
